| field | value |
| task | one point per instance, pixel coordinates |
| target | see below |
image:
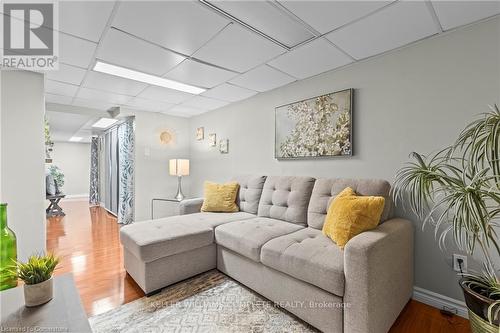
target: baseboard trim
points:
(77, 196)
(439, 301)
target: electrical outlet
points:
(456, 266)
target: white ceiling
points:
(233, 49)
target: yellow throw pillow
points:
(350, 215)
(220, 197)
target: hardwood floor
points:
(87, 241)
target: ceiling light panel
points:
(75, 51)
(113, 84)
(59, 88)
(199, 74)
(102, 96)
(452, 14)
(205, 103)
(394, 26)
(86, 19)
(324, 16)
(229, 92)
(262, 78)
(182, 26)
(238, 49)
(313, 58)
(127, 51)
(76, 139)
(66, 73)
(165, 95)
(268, 19)
(145, 78)
(104, 123)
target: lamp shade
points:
(179, 167)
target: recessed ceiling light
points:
(146, 78)
(104, 123)
(76, 139)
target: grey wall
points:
(22, 181)
(74, 161)
(152, 179)
(414, 99)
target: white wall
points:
(22, 181)
(74, 161)
(152, 179)
(413, 99)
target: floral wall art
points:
(315, 127)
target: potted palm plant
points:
(457, 191)
(37, 276)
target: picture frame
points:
(317, 127)
(212, 139)
(200, 133)
(224, 146)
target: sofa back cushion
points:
(326, 189)
(250, 191)
(286, 198)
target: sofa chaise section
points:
(161, 252)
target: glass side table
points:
(171, 200)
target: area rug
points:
(210, 302)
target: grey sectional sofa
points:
(275, 246)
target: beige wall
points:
(74, 161)
(414, 99)
(22, 181)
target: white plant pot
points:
(38, 294)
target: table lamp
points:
(179, 168)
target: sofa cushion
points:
(309, 256)
(248, 236)
(326, 189)
(250, 192)
(154, 239)
(286, 198)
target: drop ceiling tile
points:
(268, 19)
(198, 74)
(324, 16)
(313, 58)
(113, 84)
(121, 49)
(91, 103)
(238, 49)
(262, 78)
(86, 19)
(149, 105)
(59, 88)
(58, 99)
(184, 111)
(102, 96)
(205, 103)
(394, 26)
(229, 92)
(165, 95)
(183, 26)
(67, 73)
(75, 51)
(452, 14)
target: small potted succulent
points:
(37, 276)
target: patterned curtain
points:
(94, 197)
(126, 148)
